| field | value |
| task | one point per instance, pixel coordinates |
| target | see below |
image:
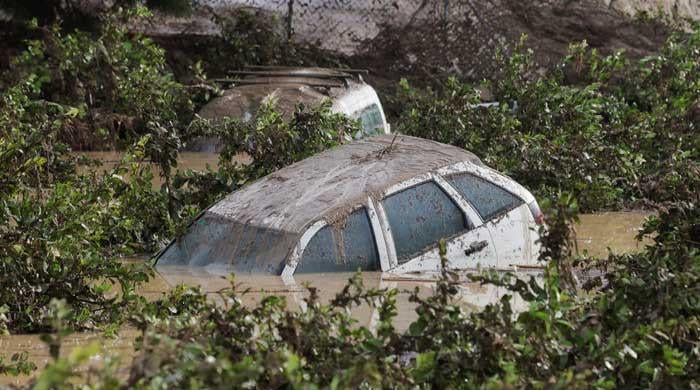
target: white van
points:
(288, 87)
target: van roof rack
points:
(292, 73)
(288, 68)
(310, 76)
(257, 74)
(310, 81)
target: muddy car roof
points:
(329, 184)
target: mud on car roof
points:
(245, 100)
(330, 182)
(274, 211)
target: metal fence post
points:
(445, 11)
(290, 15)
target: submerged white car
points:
(380, 204)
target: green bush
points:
(61, 231)
(117, 83)
(58, 230)
(614, 132)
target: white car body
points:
(516, 231)
(379, 203)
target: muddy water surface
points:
(596, 234)
(252, 288)
(471, 295)
(185, 160)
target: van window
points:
(420, 216)
(371, 120)
(487, 198)
(345, 248)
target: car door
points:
(417, 214)
(506, 216)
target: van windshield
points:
(371, 120)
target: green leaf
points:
(426, 363)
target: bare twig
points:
(388, 148)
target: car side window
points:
(488, 199)
(420, 216)
(344, 248)
(359, 246)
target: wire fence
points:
(451, 36)
(345, 25)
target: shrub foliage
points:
(614, 132)
(635, 325)
(61, 229)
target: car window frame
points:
(492, 176)
(380, 222)
(296, 253)
(468, 212)
(500, 213)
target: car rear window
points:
(488, 199)
(213, 239)
(344, 248)
(420, 216)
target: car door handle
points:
(475, 247)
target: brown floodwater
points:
(185, 160)
(616, 231)
(595, 234)
(252, 288)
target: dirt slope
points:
(465, 44)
